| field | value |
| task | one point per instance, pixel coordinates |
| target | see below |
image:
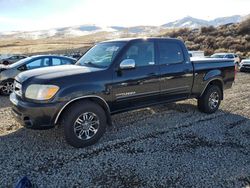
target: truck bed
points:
(223, 67)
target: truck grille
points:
(18, 88)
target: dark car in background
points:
(12, 59)
(8, 73)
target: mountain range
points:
(117, 31)
(191, 22)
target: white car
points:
(245, 65)
(227, 56)
(196, 54)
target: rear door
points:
(138, 86)
(176, 70)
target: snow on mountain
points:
(58, 32)
(196, 23)
(187, 22)
(117, 31)
(226, 20)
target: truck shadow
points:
(186, 137)
(54, 138)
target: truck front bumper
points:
(34, 115)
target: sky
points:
(28, 15)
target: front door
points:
(138, 86)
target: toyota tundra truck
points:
(117, 76)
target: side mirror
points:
(127, 64)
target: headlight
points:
(41, 92)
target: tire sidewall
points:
(71, 117)
(209, 91)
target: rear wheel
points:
(84, 124)
(7, 88)
(210, 101)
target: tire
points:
(7, 88)
(242, 70)
(77, 122)
(5, 63)
(210, 101)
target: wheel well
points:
(8, 80)
(217, 83)
(96, 100)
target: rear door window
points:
(56, 61)
(170, 53)
(61, 61)
(67, 61)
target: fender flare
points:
(211, 80)
(104, 104)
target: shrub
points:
(224, 38)
(244, 27)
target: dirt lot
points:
(170, 145)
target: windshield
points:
(101, 55)
(218, 56)
(18, 63)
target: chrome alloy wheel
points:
(213, 100)
(86, 125)
(7, 88)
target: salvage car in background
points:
(244, 65)
(12, 59)
(8, 73)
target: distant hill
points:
(229, 37)
(118, 31)
(190, 22)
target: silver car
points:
(233, 56)
(12, 59)
(8, 73)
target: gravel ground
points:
(171, 145)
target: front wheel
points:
(84, 124)
(7, 88)
(210, 101)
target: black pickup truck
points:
(117, 76)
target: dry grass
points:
(29, 46)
